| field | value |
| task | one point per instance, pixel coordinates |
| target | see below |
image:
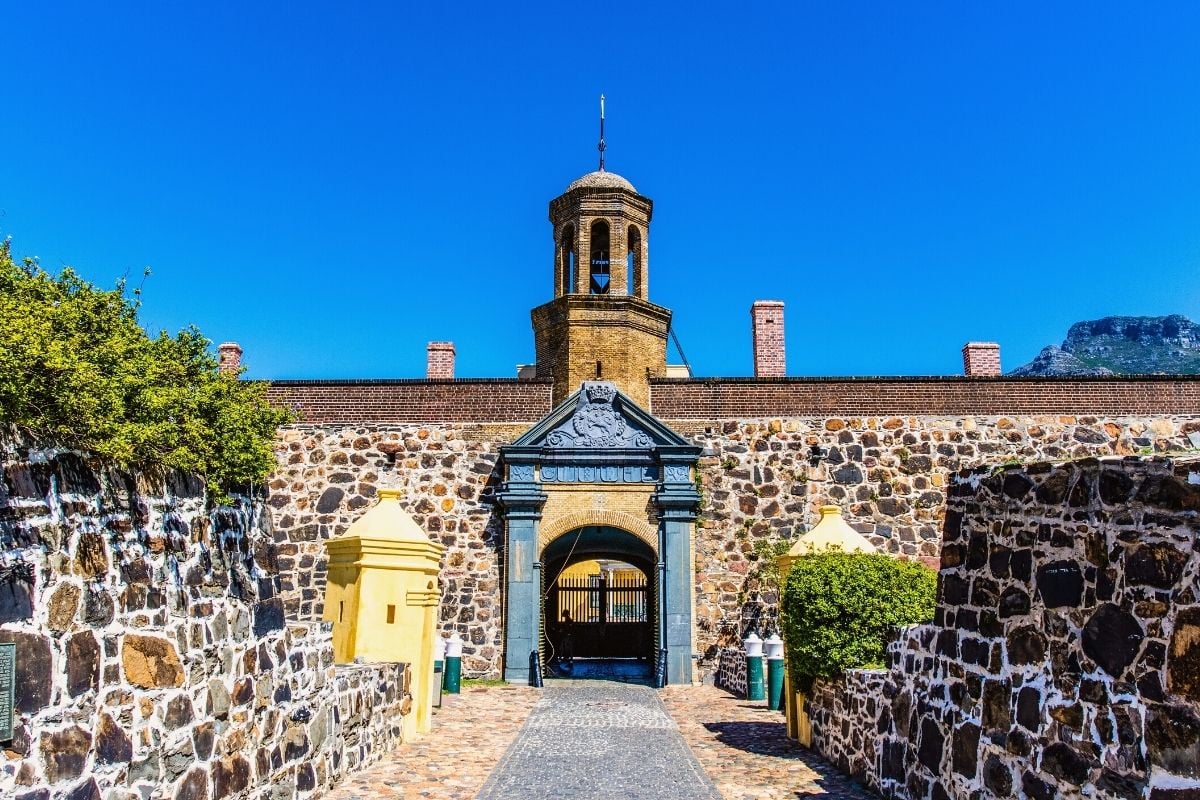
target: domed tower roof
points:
(601, 180)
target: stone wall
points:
(327, 477)
(153, 657)
(889, 474)
(1064, 660)
(759, 492)
(730, 671)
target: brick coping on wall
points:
(740, 398)
(415, 400)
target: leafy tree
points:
(78, 370)
(838, 609)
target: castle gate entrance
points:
(600, 596)
(599, 479)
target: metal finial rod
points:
(602, 146)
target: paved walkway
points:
(601, 739)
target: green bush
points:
(838, 609)
(78, 370)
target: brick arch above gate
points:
(559, 526)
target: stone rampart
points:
(758, 486)
(153, 656)
(1064, 660)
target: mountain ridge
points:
(1122, 345)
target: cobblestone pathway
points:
(599, 739)
(744, 748)
(470, 733)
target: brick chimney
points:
(229, 357)
(439, 360)
(766, 326)
(981, 358)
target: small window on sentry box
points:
(391, 614)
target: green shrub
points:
(838, 609)
(78, 370)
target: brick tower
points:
(601, 324)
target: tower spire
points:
(602, 146)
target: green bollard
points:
(453, 674)
(754, 667)
(773, 649)
(774, 683)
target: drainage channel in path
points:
(599, 739)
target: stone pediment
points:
(599, 417)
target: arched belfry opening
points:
(600, 274)
(599, 481)
(565, 265)
(635, 262)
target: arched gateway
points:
(601, 474)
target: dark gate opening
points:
(610, 616)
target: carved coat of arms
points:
(597, 423)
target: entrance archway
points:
(613, 615)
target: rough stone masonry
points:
(1064, 660)
(153, 655)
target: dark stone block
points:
(243, 691)
(1016, 485)
(1169, 493)
(1019, 743)
(74, 475)
(64, 753)
(306, 778)
(965, 749)
(1159, 793)
(850, 473)
(1127, 787)
(194, 786)
(83, 663)
(977, 551)
(330, 499)
(954, 589)
(933, 742)
(88, 790)
(1060, 584)
(1036, 788)
(99, 608)
(984, 592)
(28, 481)
(179, 712)
(1014, 603)
(1159, 565)
(33, 678)
(1065, 763)
(1026, 645)
(230, 775)
(997, 776)
(203, 738)
(1112, 638)
(1183, 659)
(952, 527)
(1029, 709)
(997, 705)
(1069, 715)
(36, 794)
(16, 596)
(1020, 565)
(1054, 488)
(112, 744)
(1173, 739)
(268, 616)
(1115, 487)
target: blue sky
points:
(334, 185)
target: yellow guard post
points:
(830, 532)
(382, 596)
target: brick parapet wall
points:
(758, 398)
(415, 401)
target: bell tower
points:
(601, 324)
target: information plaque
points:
(8, 675)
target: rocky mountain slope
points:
(1122, 346)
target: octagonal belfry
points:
(601, 324)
